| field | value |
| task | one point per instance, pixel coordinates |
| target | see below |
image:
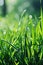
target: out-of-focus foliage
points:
(18, 6)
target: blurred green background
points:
(18, 6)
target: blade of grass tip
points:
(32, 35)
(41, 16)
(25, 46)
(38, 30)
(32, 28)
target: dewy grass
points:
(29, 41)
(25, 59)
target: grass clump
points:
(21, 41)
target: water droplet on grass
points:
(4, 32)
(30, 16)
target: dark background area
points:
(32, 7)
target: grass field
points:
(21, 40)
